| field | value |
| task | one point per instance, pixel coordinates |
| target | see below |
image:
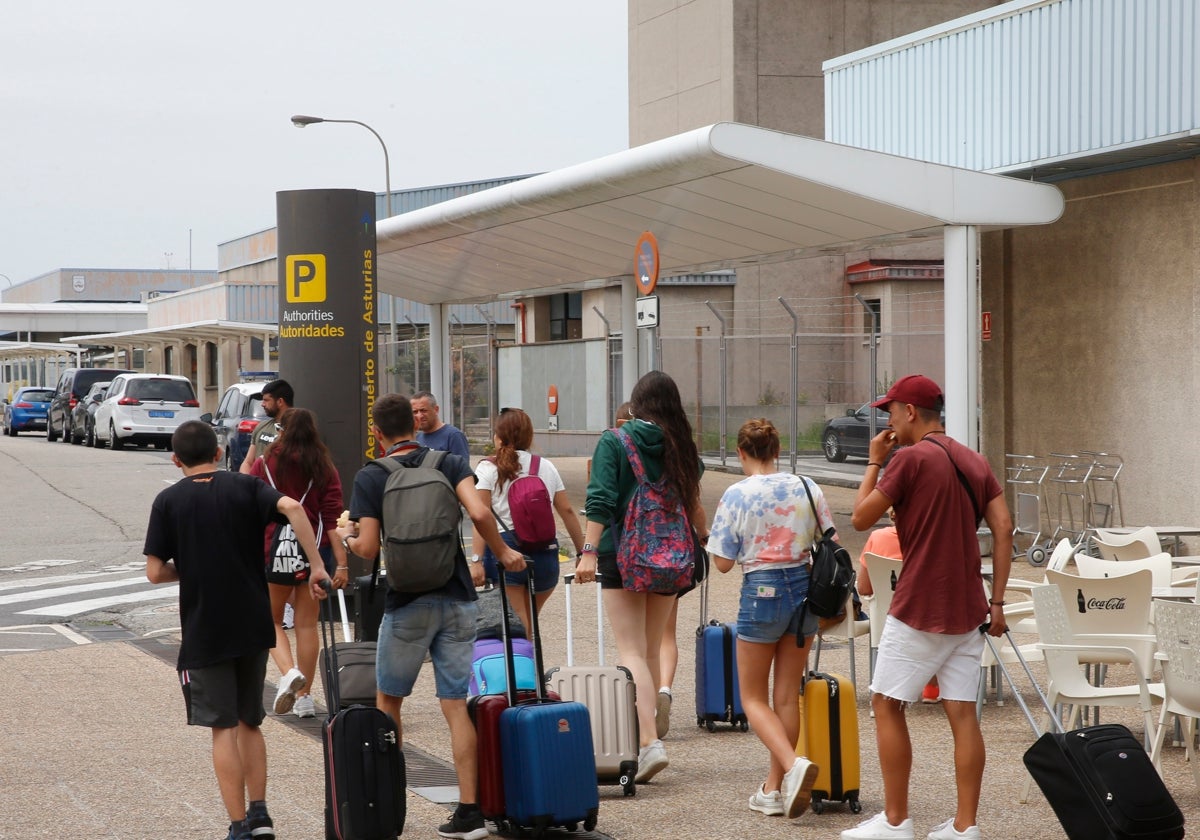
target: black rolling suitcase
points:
(1099, 779)
(364, 767)
(1101, 784)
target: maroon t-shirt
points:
(940, 589)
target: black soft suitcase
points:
(364, 766)
(1099, 779)
(354, 664)
(1101, 784)
(369, 596)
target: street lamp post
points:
(303, 120)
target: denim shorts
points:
(441, 625)
(544, 564)
(770, 605)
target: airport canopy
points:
(717, 197)
(10, 350)
(193, 333)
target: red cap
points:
(914, 389)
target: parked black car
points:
(850, 436)
(72, 385)
(83, 416)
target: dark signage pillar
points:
(327, 333)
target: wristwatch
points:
(475, 558)
(588, 548)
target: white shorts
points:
(908, 658)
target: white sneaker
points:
(285, 695)
(662, 712)
(770, 804)
(305, 707)
(878, 828)
(795, 792)
(289, 617)
(947, 831)
(652, 759)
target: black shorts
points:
(608, 574)
(222, 695)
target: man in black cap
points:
(940, 490)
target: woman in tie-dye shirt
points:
(765, 523)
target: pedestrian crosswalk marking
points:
(77, 589)
(76, 607)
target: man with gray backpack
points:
(408, 502)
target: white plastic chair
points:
(1164, 574)
(845, 630)
(1179, 654)
(1065, 652)
(1109, 611)
(883, 572)
(1135, 545)
(1059, 558)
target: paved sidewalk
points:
(96, 745)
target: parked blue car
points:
(27, 411)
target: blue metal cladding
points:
(1028, 81)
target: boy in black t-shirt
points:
(206, 533)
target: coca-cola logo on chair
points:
(1114, 603)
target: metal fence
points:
(796, 361)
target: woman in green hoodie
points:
(660, 430)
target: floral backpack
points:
(655, 552)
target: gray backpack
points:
(421, 516)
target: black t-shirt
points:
(368, 501)
(211, 525)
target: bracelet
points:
(996, 603)
(342, 569)
(873, 464)
(588, 550)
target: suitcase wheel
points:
(627, 778)
(710, 725)
(699, 721)
(589, 824)
(818, 805)
(744, 726)
(572, 827)
(855, 806)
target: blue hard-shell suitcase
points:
(717, 694)
(547, 745)
(718, 698)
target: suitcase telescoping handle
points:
(510, 667)
(569, 581)
(332, 700)
(1055, 723)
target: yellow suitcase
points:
(829, 738)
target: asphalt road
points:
(71, 564)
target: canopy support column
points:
(629, 336)
(962, 333)
(439, 360)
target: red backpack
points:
(531, 510)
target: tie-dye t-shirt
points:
(766, 521)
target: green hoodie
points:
(612, 482)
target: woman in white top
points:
(494, 479)
(765, 524)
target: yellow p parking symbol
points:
(305, 278)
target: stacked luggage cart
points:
(1066, 495)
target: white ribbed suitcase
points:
(610, 696)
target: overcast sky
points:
(125, 124)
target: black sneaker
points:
(239, 831)
(259, 824)
(466, 823)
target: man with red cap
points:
(940, 490)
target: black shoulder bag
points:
(832, 576)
